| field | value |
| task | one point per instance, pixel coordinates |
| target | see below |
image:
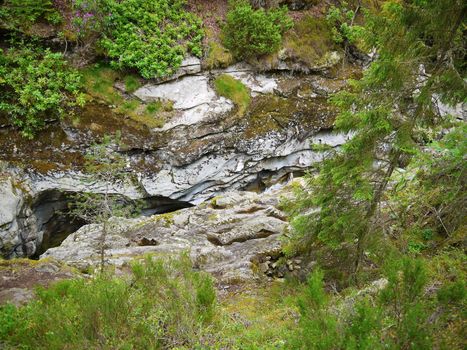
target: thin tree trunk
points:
(372, 209)
(102, 245)
(346, 44)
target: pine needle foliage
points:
(419, 46)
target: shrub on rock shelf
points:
(249, 32)
(150, 36)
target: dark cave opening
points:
(55, 221)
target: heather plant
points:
(401, 315)
(163, 304)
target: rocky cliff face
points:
(205, 148)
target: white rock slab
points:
(192, 95)
(187, 92)
(257, 83)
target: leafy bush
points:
(163, 305)
(22, 13)
(234, 90)
(151, 36)
(248, 32)
(37, 86)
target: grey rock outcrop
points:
(19, 278)
(205, 149)
(18, 230)
(229, 236)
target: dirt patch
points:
(19, 277)
(211, 12)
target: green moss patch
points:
(273, 113)
(99, 83)
(234, 90)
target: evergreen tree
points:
(104, 166)
(420, 62)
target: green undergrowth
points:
(21, 14)
(234, 90)
(165, 304)
(250, 32)
(100, 85)
(150, 36)
(37, 85)
(262, 316)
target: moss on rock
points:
(234, 90)
(273, 113)
(310, 41)
(218, 56)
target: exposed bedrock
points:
(35, 215)
(229, 236)
(205, 148)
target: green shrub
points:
(164, 305)
(318, 329)
(234, 90)
(23, 13)
(37, 86)
(248, 32)
(151, 36)
(405, 308)
(309, 41)
(396, 317)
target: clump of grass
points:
(132, 83)
(129, 106)
(234, 90)
(99, 83)
(153, 107)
